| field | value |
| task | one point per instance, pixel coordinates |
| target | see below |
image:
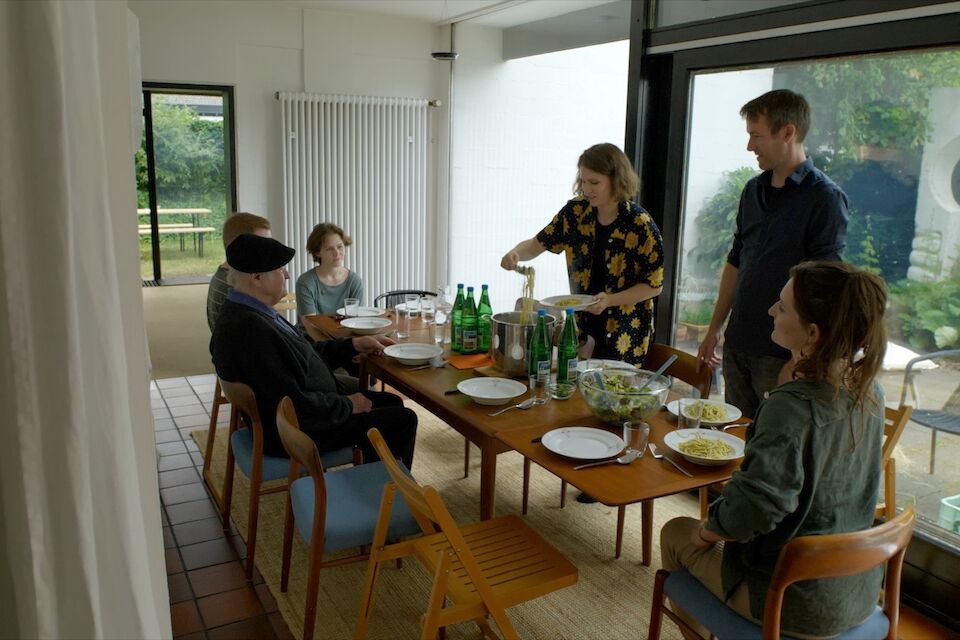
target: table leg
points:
(646, 531)
(488, 478)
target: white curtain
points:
(81, 554)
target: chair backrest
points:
(395, 297)
(413, 494)
(298, 445)
(243, 401)
(683, 368)
(841, 554)
(895, 420)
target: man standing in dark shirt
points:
(253, 344)
(790, 213)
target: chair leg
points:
(287, 546)
(933, 449)
(227, 494)
(313, 585)
(646, 531)
(366, 597)
(212, 432)
(526, 485)
(704, 501)
(656, 608)
(438, 592)
(466, 457)
(621, 512)
(252, 524)
(563, 493)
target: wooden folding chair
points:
(895, 420)
(481, 569)
(803, 558)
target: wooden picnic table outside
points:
(179, 229)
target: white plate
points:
(365, 312)
(580, 301)
(591, 363)
(413, 353)
(732, 412)
(491, 391)
(583, 443)
(366, 326)
(673, 439)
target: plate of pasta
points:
(705, 446)
(712, 412)
(575, 301)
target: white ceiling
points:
(492, 13)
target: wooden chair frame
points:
(826, 556)
(895, 421)
(683, 368)
(303, 452)
(218, 400)
(447, 551)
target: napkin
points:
(471, 361)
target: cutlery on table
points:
(657, 373)
(436, 362)
(626, 458)
(526, 404)
(660, 456)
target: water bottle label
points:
(543, 369)
(457, 335)
(469, 341)
(572, 370)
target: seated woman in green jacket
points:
(812, 464)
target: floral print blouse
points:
(633, 255)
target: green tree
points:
(717, 221)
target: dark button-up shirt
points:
(806, 219)
(812, 466)
(633, 254)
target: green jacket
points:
(812, 466)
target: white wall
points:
(264, 48)
(519, 127)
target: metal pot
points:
(508, 342)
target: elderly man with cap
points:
(253, 344)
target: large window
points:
(886, 129)
(185, 185)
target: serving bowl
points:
(616, 395)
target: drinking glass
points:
(351, 307)
(411, 302)
(689, 412)
(444, 306)
(428, 310)
(635, 435)
(402, 321)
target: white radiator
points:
(361, 163)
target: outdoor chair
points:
(947, 417)
(803, 558)
(245, 447)
(332, 511)
(683, 368)
(395, 297)
(480, 569)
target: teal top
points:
(812, 466)
(316, 298)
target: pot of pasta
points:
(509, 333)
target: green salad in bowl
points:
(616, 394)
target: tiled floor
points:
(209, 597)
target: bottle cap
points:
(469, 289)
(541, 313)
(484, 286)
(460, 286)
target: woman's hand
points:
(601, 302)
(510, 260)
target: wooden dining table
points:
(520, 430)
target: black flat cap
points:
(251, 253)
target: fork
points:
(659, 456)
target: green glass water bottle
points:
(470, 339)
(539, 359)
(456, 322)
(484, 315)
(567, 351)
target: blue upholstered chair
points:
(804, 558)
(245, 447)
(332, 511)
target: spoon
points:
(629, 456)
(659, 456)
(526, 404)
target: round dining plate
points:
(731, 413)
(365, 312)
(366, 326)
(675, 438)
(413, 353)
(575, 301)
(583, 443)
(491, 391)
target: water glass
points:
(402, 320)
(440, 326)
(428, 309)
(689, 413)
(540, 388)
(351, 306)
(635, 435)
(411, 302)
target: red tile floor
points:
(209, 598)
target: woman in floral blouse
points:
(614, 252)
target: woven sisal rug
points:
(611, 600)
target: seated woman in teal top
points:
(322, 290)
(812, 464)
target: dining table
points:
(435, 389)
